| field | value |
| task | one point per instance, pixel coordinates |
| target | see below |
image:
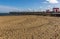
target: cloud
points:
(45, 2)
(8, 9)
(52, 1)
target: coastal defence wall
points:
(30, 13)
(36, 13)
(25, 13)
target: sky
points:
(27, 5)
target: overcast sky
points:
(20, 5)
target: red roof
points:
(55, 8)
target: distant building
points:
(55, 9)
(48, 10)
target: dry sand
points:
(29, 27)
